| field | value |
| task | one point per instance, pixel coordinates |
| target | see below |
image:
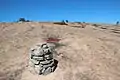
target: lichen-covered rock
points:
(41, 59)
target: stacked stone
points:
(41, 59)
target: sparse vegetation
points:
(77, 26)
(62, 22)
(23, 20)
(96, 25)
(76, 51)
(81, 25)
(78, 22)
(52, 38)
(27, 20)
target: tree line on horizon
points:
(62, 22)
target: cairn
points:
(41, 59)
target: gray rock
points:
(38, 58)
(35, 62)
(36, 50)
(38, 69)
(46, 62)
(44, 46)
(47, 50)
(53, 68)
(43, 70)
(49, 65)
(48, 56)
(47, 71)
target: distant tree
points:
(66, 21)
(117, 23)
(21, 20)
(78, 22)
(63, 21)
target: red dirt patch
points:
(52, 40)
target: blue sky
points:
(103, 11)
